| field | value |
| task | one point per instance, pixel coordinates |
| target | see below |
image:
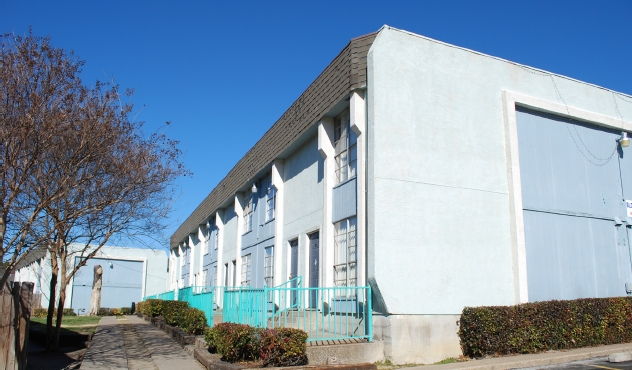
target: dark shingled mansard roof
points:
(346, 73)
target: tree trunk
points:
(50, 335)
(95, 299)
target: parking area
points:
(593, 364)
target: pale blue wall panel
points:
(122, 284)
(571, 194)
(344, 199)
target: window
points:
(216, 240)
(345, 145)
(183, 254)
(234, 282)
(248, 212)
(207, 238)
(226, 274)
(268, 267)
(204, 277)
(270, 202)
(246, 269)
(214, 276)
(345, 249)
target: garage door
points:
(575, 179)
(122, 284)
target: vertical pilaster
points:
(357, 111)
(239, 211)
(326, 149)
(219, 223)
(279, 243)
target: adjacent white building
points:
(441, 177)
(129, 274)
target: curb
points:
(532, 360)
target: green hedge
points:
(234, 342)
(172, 311)
(543, 326)
(276, 347)
(150, 307)
(43, 312)
(283, 347)
(192, 320)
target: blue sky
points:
(223, 72)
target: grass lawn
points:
(69, 324)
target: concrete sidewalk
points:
(131, 343)
(533, 360)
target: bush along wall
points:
(275, 347)
(543, 326)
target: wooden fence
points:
(15, 314)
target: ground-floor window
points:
(246, 269)
(345, 258)
(204, 277)
(268, 267)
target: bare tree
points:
(97, 177)
(37, 86)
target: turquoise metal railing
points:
(244, 305)
(324, 313)
(199, 297)
(166, 296)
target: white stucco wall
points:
(439, 197)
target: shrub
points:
(192, 320)
(234, 342)
(172, 311)
(140, 307)
(283, 347)
(152, 307)
(542, 326)
(126, 310)
(104, 311)
(115, 312)
(43, 312)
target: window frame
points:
(271, 202)
(268, 267)
(248, 212)
(346, 239)
(346, 148)
(246, 269)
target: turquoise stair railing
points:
(334, 313)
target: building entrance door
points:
(314, 269)
(294, 268)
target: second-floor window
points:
(207, 238)
(270, 202)
(248, 212)
(345, 145)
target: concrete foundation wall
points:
(417, 339)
